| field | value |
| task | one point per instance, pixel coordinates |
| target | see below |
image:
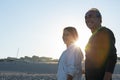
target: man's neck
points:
(95, 29)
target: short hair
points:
(73, 32)
(98, 14)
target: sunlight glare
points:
(80, 44)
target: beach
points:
(36, 76)
(26, 76)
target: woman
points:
(70, 66)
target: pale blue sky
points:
(35, 26)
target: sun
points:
(82, 45)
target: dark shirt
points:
(100, 54)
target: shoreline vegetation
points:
(29, 59)
(35, 59)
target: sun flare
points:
(82, 45)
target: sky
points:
(34, 27)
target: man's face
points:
(92, 20)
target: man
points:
(100, 51)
